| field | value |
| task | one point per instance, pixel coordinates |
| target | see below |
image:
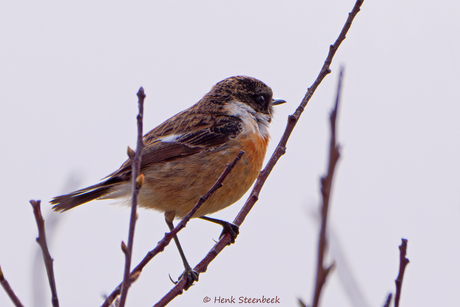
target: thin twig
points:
(293, 119)
(136, 179)
(41, 240)
(169, 236)
(52, 222)
(388, 301)
(326, 186)
(403, 262)
(280, 149)
(9, 290)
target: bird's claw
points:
(232, 229)
(190, 275)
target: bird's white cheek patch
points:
(253, 120)
(263, 122)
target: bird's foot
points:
(190, 275)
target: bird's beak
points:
(276, 102)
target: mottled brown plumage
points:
(185, 155)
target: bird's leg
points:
(230, 228)
(189, 273)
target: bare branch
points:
(403, 262)
(137, 180)
(169, 236)
(280, 149)
(326, 186)
(9, 290)
(52, 223)
(41, 240)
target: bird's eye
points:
(260, 98)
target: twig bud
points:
(301, 303)
(135, 276)
(139, 181)
(124, 248)
(131, 153)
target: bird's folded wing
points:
(182, 144)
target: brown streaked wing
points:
(190, 143)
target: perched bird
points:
(184, 156)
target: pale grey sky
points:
(69, 73)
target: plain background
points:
(69, 73)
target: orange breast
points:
(175, 187)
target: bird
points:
(185, 155)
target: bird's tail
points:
(66, 202)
